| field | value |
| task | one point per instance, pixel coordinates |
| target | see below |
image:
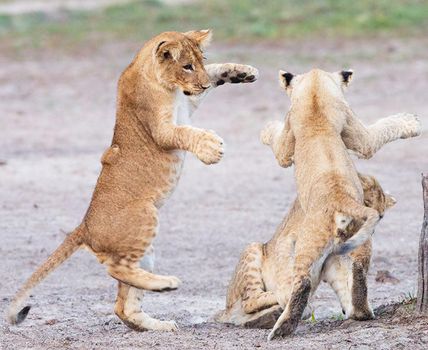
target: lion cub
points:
(264, 271)
(157, 94)
(316, 135)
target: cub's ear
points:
(202, 37)
(390, 201)
(347, 76)
(285, 79)
(167, 50)
(367, 181)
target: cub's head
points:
(178, 61)
(315, 81)
(374, 196)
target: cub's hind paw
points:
(168, 326)
(236, 73)
(264, 319)
(140, 322)
(362, 315)
(287, 328)
(166, 283)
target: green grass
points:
(230, 19)
(337, 317)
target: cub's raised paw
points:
(166, 283)
(411, 125)
(269, 130)
(236, 73)
(210, 148)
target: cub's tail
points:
(355, 210)
(16, 313)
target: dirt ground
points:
(56, 117)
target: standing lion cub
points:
(157, 94)
(318, 130)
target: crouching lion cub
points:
(157, 94)
(318, 129)
(265, 270)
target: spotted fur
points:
(157, 93)
(261, 284)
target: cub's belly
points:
(169, 176)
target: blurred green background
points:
(231, 20)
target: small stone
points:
(384, 276)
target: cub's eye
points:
(188, 67)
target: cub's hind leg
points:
(136, 226)
(337, 272)
(128, 309)
(310, 255)
(362, 309)
(347, 275)
(260, 305)
(254, 294)
(246, 297)
(128, 272)
(129, 300)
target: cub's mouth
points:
(197, 91)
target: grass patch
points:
(231, 20)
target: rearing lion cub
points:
(318, 129)
(258, 290)
(157, 93)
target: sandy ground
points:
(56, 118)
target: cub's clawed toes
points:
(210, 148)
(251, 78)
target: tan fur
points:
(327, 182)
(157, 93)
(262, 280)
(347, 274)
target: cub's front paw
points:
(284, 161)
(237, 73)
(210, 148)
(411, 125)
(268, 132)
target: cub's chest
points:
(182, 109)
